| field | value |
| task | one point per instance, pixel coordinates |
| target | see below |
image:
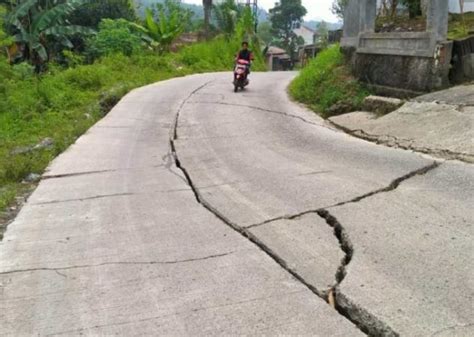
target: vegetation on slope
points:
(327, 82)
(41, 114)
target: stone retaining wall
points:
(463, 61)
(407, 63)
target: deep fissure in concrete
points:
(344, 243)
(366, 321)
(241, 230)
(360, 317)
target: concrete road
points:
(191, 210)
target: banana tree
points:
(162, 32)
(37, 28)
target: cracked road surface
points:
(191, 210)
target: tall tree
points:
(322, 31)
(338, 7)
(207, 4)
(227, 14)
(93, 11)
(285, 17)
(265, 33)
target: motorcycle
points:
(240, 75)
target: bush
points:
(115, 36)
(327, 81)
(4, 39)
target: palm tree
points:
(38, 27)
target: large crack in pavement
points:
(405, 144)
(394, 184)
(241, 230)
(359, 316)
(276, 112)
(363, 318)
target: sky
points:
(317, 9)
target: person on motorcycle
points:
(245, 54)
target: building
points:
(277, 59)
(306, 33)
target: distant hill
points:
(314, 24)
(142, 4)
(198, 11)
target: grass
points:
(63, 103)
(327, 81)
(457, 28)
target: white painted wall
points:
(305, 33)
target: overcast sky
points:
(317, 9)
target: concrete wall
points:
(403, 75)
(401, 62)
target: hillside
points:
(313, 24)
(198, 11)
(142, 4)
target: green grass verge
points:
(63, 103)
(327, 81)
(460, 28)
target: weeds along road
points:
(191, 210)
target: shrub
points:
(5, 40)
(327, 81)
(115, 36)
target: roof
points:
(308, 28)
(283, 56)
(275, 51)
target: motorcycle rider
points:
(245, 54)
